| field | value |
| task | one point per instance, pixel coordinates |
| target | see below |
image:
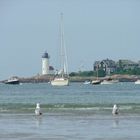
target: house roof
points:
(109, 63)
(126, 62)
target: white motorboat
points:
(87, 82)
(137, 82)
(12, 81)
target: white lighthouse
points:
(45, 63)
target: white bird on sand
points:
(115, 110)
(38, 110)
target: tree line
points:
(101, 73)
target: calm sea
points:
(73, 112)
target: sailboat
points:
(97, 81)
(62, 77)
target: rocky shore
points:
(48, 78)
(121, 78)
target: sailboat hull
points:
(60, 82)
(96, 82)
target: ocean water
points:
(75, 112)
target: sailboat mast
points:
(61, 44)
(63, 57)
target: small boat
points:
(109, 81)
(137, 82)
(12, 81)
(96, 82)
(87, 82)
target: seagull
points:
(38, 110)
(115, 110)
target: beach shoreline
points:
(52, 126)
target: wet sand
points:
(68, 127)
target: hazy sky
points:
(94, 30)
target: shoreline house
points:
(110, 66)
(107, 65)
(125, 64)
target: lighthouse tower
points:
(45, 63)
